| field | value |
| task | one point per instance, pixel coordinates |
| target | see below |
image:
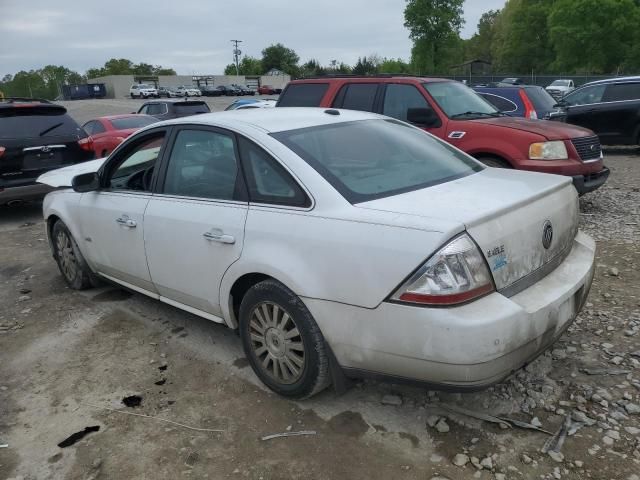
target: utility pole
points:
(236, 54)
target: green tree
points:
(433, 26)
(479, 45)
(364, 67)
(247, 66)
(397, 65)
(280, 57)
(123, 66)
(312, 68)
(595, 36)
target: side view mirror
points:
(424, 117)
(86, 182)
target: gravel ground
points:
(67, 357)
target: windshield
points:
(370, 159)
(144, 85)
(458, 100)
(560, 83)
(132, 122)
(28, 122)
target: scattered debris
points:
(132, 401)
(395, 400)
(555, 443)
(479, 415)
(289, 434)
(442, 426)
(525, 425)
(76, 437)
(460, 460)
(162, 368)
(605, 371)
(4, 445)
(161, 382)
(157, 418)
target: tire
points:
(494, 162)
(132, 96)
(296, 367)
(72, 265)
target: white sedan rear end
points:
(337, 242)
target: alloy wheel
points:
(66, 256)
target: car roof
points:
(614, 80)
(380, 78)
(278, 119)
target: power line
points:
(236, 54)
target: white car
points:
(559, 88)
(338, 242)
(142, 90)
(259, 104)
(189, 91)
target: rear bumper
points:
(589, 183)
(37, 191)
(463, 348)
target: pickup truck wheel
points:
(71, 263)
(282, 341)
(494, 162)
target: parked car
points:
(528, 101)
(456, 114)
(506, 269)
(237, 103)
(559, 88)
(210, 91)
(36, 136)
(258, 104)
(227, 90)
(611, 108)
(110, 131)
(244, 90)
(188, 91)
(512, 81)
(166, 109)
(142, 90)
(169, 92)
(266, 90)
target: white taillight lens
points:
(548, 151)
(455, 274)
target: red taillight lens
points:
(529, 110)
(2, 149)
(86, 143)
(455, 274)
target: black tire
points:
(72, 265)
(494, 162)
(132, 96)
(313, 374)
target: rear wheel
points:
(71, 263)
(494, 162)
(282, 341)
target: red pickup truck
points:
(455, 113)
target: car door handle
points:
(219, 237)
(126, 222)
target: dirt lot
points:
(67, 357)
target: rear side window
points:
(622, 91)
(303, 95)
(191, 108)
(501, 103)
(541, 99)
(357, 96)
(398, 99)
(30, 122)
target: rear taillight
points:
(457, 273)
(529, 110)
(86, 143)
(2, 149)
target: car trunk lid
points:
(507, 213)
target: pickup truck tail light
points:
(2, 149)
(529, 109)
(86, 143)
(455, 274)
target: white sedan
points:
(337, 242)
(186, 91)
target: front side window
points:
(399, 98)
(585, 96)
(203, 164)
(267, 180)
(370, 159)
(459, 101)
(135, 168)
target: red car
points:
(267, 90)
(455, 113)
(108, 132)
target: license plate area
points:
(40, 160)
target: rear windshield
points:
(303, 95)
(29, 122)
(370, 159)
(132, 122)
(541, 99)
(191, 107)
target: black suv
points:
(166, 109)
(611, 108)
(36, 136)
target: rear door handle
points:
(125, 221)
(219, 237)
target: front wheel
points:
(282, 341)
(494, 162)
(71, 263)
